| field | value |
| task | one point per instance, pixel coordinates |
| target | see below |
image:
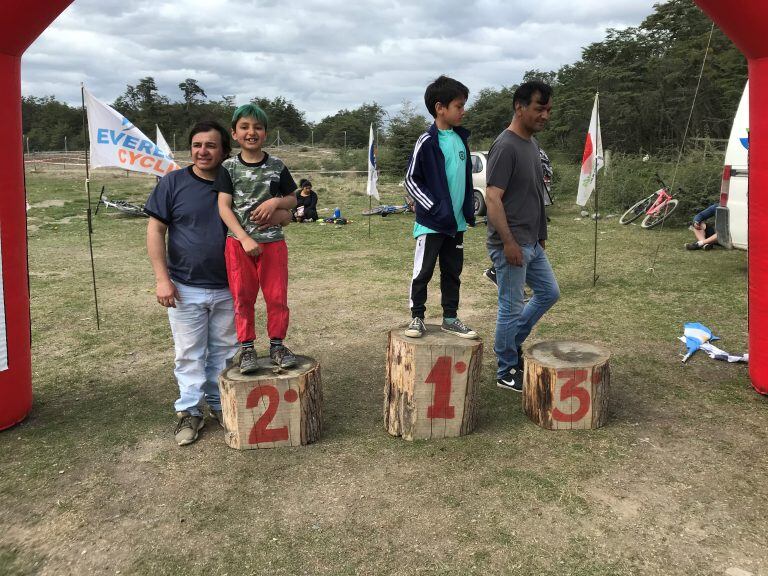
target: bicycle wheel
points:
(636, 210)
(660, 215)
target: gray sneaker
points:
(187, 428)
(458, 328)
(248, 363)
(416, 328)
(281, 356)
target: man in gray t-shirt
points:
(517, 229)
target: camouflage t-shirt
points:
(251, 184)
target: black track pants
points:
(450, 252)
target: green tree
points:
(284, 116)
(403, 131)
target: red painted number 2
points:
(261, 431)
(440, 376)
(571, 390)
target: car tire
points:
(479, 202)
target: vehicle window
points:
(477, 164)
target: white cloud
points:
(324, 55)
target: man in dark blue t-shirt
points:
(191, 276)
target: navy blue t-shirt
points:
(187, 204)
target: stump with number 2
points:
(432, 385)
(272, 407)
(566, 385)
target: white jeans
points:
(203, 327)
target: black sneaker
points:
(693, 246)
(512, 380)
(490, 273)
(707, 246)
(282, 357)
(458, 328)
(416, 328)
(248, 361)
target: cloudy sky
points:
(324, 55)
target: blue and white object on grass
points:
(694, 335)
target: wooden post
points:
(566, 385)
(273, 407)
(431, 390)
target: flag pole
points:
(370, 207)
(88, 209)
(598, 146)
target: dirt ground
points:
(674, 484)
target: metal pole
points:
(313, 138)
(65, 152)
(174, 142)
(88, 210)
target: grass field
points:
(93, 483)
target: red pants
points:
(269, 270)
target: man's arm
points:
(250, 245)
(498, 219)
(264, 213)
(165, 289)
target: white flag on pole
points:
(373, 175)
(162, 144)
(592, 160)
(116, 142)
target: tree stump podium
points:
(566, 385)
(272, 407)
(432, 384)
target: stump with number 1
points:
(272, 407)
(432, 382)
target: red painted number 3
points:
(440, 376)
(260, 431)
(571, 390)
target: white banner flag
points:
(162, 144)
(3, 332)
(592, 160)
(373, 175)
(116, 142)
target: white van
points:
(731, 215)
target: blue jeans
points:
(514, 320)
(203, 327)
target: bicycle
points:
(656, 207)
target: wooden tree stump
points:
(566, 385)
(272, 407)
(432, 384)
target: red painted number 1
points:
(440, 376)
(571, 390)
(260, 431)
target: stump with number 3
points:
(272, 407)
(566, 385)
(432, 382)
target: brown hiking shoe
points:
(187, 428)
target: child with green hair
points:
(256, 195)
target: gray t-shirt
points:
(515, 167)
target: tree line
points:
(646, 76)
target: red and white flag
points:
(592, 160)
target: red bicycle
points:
(656, 207)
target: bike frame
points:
(662, 197)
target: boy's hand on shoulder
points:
(250, 246)
(264, 212)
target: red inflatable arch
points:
(22, 22)
(744, 21)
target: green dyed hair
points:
(249, 111)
